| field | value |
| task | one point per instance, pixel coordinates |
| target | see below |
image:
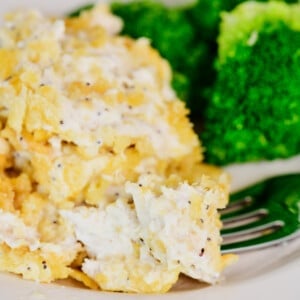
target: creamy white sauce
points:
(105, 233)
(87, 123)
(161, 223)
(15, 233)
(167, 218)
(118, 66)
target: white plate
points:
(267, 274)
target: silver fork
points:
(265, 214)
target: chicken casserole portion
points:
(101, 174)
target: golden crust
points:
(55, 154)
(33, 265)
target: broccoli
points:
(205, 17)
(254, 110)
(231, 4)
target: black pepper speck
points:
(44, 264)
(202, 252)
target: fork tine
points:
(244, 219)
(258, 243)
(262, 215)
(237, 205)
(248, 234)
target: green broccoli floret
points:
(228, 5)
(205, 16)
(254, 111)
